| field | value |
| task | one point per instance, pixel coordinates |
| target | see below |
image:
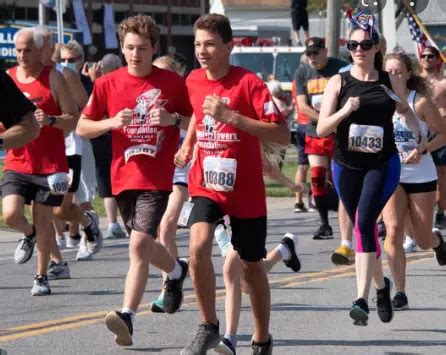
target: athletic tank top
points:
(73, 143)
(405, 140)
(365, 138)
(45, 154)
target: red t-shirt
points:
(142, 155)
(228, 168)
(300, 117)
(46, 154)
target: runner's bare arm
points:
(329, 118)
(21, 133)
(427, 111)
(184, 154)
(61, 93)
(76, 88)
(88, 128)
(304, 108)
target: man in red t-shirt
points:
(145, 106)
(37, 171)
(233, 111)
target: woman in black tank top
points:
(358, 106)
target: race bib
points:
(219, 173)
(183, 220)
(58, 183)
(365, 139)
(316, 102)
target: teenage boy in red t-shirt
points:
(144, 105)
(233, 111)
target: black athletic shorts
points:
(142, 210)
(31, 188)
(75, 166)
(102, 152)
(299, 19)
(421, 187)
(248, 234)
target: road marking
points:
(82, 320)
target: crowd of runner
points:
(170, 149)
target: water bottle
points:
(223, 239)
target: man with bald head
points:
(36, 173)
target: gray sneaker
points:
(58, 271)
(207, 338)
(115, 232)
(41, 286)
(24, 250)
(93, 246)
(262, 349)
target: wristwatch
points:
(52, 120)
(177, 119)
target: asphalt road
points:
(309, 309)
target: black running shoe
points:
(121, 325)
(224, 347)
(400, 302)
(293, 262)
(262, 348)
(206, 338)
(440, 251)
(299, 207)
(360, 312)
(384, 303)
(440, 221)
(173, 290)
(324, 232)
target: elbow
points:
(322, 132)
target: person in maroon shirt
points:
(143, 106)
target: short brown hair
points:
(215, 23)
(142, 25)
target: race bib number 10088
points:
(365, 139)
(219, 173)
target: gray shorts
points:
(142, 210)
(31, 188)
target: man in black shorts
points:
(299, 18)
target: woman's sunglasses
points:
(427, 56)
(365, 45)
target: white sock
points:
(283, 250)
(347, 244)
(129, 311)
(113, 225)
(175, 274)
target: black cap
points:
(314, 43)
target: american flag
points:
(418, 36)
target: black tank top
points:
(365, 138)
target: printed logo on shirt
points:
(270, 108)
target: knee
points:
(11, 217)
(252, 271)
(139, 248)
(318, 180)
(199, 251)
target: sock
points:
(129, 311)
(321, 204)
(175, 274)
(113, 225)
(232, 338)
(33, 234)
(88, 231)
(347, 243)
(283, 250)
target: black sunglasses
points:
(427, 56)
(311, 53)
(365, 45)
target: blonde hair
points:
(176, 63)
(74, 47)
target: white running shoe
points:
(61, 242)
(24, 250)
(83, 254)
(41, 286)
(72, 242)
(96, 245)
(58, 271)
(115, 231)
(409, 245)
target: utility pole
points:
(169, 26)
(389, 24)
(333, 27)
(42, 14)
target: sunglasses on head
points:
(427, 56)
(365, 45)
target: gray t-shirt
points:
(312, 82)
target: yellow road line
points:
(86, 319)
